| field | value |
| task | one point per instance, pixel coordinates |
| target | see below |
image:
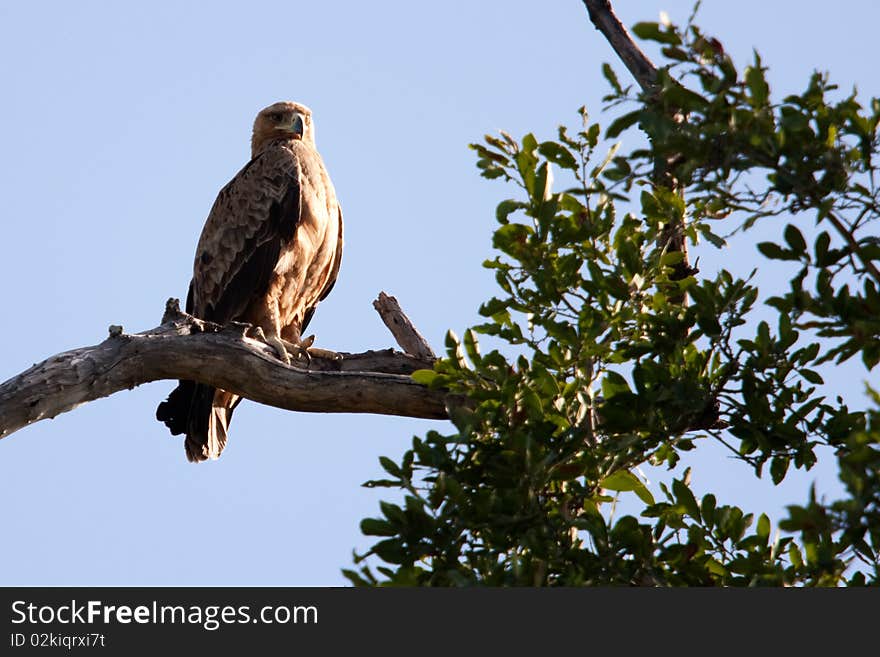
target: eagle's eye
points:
(275, 116)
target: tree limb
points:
(643, 70)
(407, 336)
(603, 17)
(184, 347)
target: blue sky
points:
(119, 125)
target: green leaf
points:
(795, 239)
(709, 324)
(558, 154)
(763, 529)
(510, 238)
(776, 252)
(390, 466)
(778, 468)
(531, 402)
(614, 384)
(611, 76)
(685, 497)
(543, 188)
(376, 527)
(622, 123)
(390, 550)
(674, 53)
(671, 258)
(821, 249)
(526, 161)
(707, 509)
(451, 340)
(472, 347)
(393, 512)
(685, 99)
(756, 83)
(715, 240)
(608, 157)
(624, 480)
(425, 377)
(716, 568)
(356, 579)
(812, 376)
(653, 32)
(381, 483)
(505, 208)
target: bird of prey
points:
(268, 253)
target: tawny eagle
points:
(268, 253)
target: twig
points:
(842, 230)
(407, 336)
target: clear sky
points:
(119, 124)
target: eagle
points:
(269, 252)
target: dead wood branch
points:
(184, 347)
(407, 336)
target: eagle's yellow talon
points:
(280, 350)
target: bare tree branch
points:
(407, 336)
(603, 17)
(184, 347)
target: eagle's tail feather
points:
(201, 412)
(174, 411)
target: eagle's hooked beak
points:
(297, 125)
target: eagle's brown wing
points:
(237, 271)
(252, 220)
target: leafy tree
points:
(610, 351)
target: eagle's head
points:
(283, 120)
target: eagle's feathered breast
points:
(274, 232)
